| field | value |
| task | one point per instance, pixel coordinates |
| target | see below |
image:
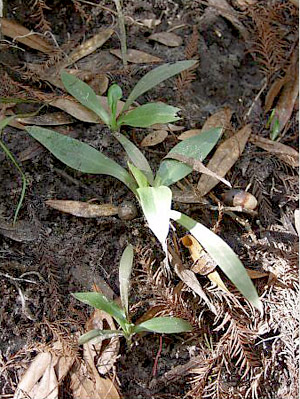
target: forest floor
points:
(248, 66)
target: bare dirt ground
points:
(247, 55)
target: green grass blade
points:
(149, 114)
(198, 147)
(100, 301)
(136, 156)
(80, 156)
(4, 122)
(223, 255)
(155, 77)
(167, 325)
(84, 94)
(125, 268)
(98, 335)
(156, 205)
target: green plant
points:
(152, 192)
(167, 325)
(10, 156)
(274, 125)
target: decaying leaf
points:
(75, 109)
(104, 359)
(202, 264)
(137, 56)
(224, 158)
(53, 119)
(22, 35)
(21, 231)
(154, 138)
(221, 118)
(282, 151)
(83, 209)
(167, 38)
(198, 166)
(89, 46)
(188, 277)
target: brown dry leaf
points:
(189, 133)
(21, 34)
(254, 274)
(137, 56)
(109, 354)
(167, 38)
(53, 119)
(284, 152)
(221, 118)
(149, 23)
(224, 158)
(189, 278)
(174, 128)
(198, 166)
(89, 46)
(287, 99)
(83, 209)
(98, 82)
(75, 109)
(202, 265)
(273, 92)
(154, 138)
(297, 220)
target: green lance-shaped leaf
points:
(100, 301)
(99, 335)
(149, 114)
(139, 176)
(125, 268)
(80, 156)
(156, 205)
(223, 255)
(136, 156)
(84, 94)
(167, 325)
(155, 77)
(198, 147)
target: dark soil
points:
(61, 253)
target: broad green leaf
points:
(99, 301)
(223, 255)
(149, 114)
(167, 325)
(155, 77)
(198, 147)
(139, 176)
(80, 156)
(136, 156)
(84, 94)
(156, 205)
(113, 96)
(125, 268)
(99, 335)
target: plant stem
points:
(122, 32)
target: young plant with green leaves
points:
(166, 325)
(152, 191)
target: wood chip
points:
(224, 158)
(137, 56)
(167, 38)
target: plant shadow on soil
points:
(71, 254)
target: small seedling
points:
(274, 125)
(166, 325)
(152, 192)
